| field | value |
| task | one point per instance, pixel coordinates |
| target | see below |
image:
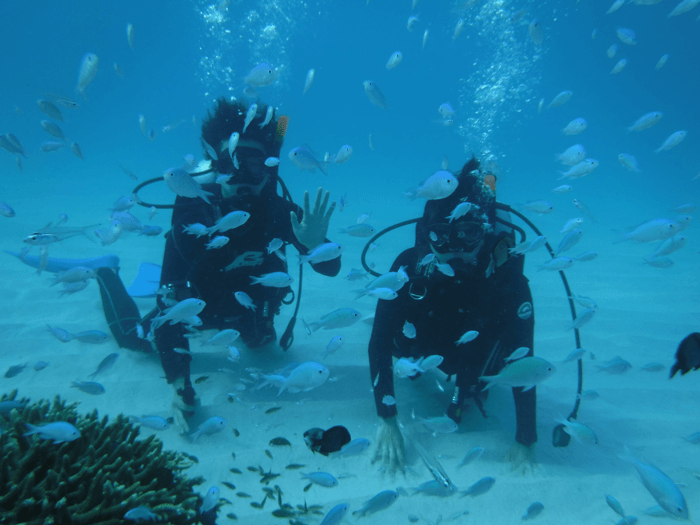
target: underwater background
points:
(187, 54)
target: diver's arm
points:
(389, 318)
(380, 356)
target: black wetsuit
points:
(498, 307)
(214, 275)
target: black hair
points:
(471, 188)
(229, 116)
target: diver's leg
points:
(120, 310)
(173, 349)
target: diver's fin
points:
(147, 281)
(120, 310)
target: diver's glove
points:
(311, 232)
(390, 446)
(184, 402)
(522, 458)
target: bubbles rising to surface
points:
(236, 38)
(503, 80)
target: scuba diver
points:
(488, 293)
(190, 270)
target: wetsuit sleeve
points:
(520, 332)
(388, 321)
(328, 268)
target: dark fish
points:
(105, 364)
(243, 495)
(40, 365)
(687, 355)
(235, 471)
(294, 466)
(269, 492)
(280, 442)
(253, 469)
(191, 458)
(200, 379)
(326, 441)
(233, 455)
(283, 513)
(236, 432)
(232, 516)
(228, 485)
(14, 370)
(306, 489)
(267, 477)
(268, 454)
(272, 410)
(89, 387)
(257, 505)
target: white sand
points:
(644, 312)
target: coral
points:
(95, 479)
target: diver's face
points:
(230, 190)
(461, 240)
(464, 256)
(252, 173)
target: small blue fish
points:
(480, 487)
(95, 337)
(181, 183)
(374, 94)
(89, 387)
(304, 159)
(336, 514)
(14, 370)
(321, 478)
(381, 501)
(151, 231)
(59, 431)
(261, 75)
(660, 486)
(245, 300)
(40, 365)
(154, 422)
(435, 488)
(105, 364)
(210, 426)
(210, 500)
(627, 36)
(355, 447)
(533, 511)
(141, 514)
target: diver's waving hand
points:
(311, 231)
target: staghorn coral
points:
(94, 479)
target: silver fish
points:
(50, 109)
(105, 365)
(54, 234)
(374, 94)
(89, 387)
(661, 487)
(480, 487)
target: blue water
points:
(189, 53)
